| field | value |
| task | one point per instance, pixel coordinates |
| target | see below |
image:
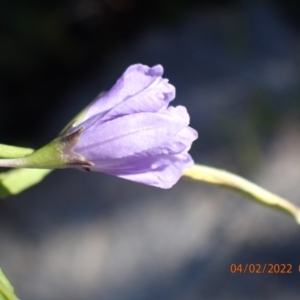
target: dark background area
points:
(49, 46)
(235, 65)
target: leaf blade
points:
(17, 180)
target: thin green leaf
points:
(15, 181)
(14, 152)
(6, 289)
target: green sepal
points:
(56, 154)
(49, 156)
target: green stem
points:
(242, 186)
(12, 163)
(56, 154)
(47, 157)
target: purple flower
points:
(131, 132)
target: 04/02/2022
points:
(259, 268)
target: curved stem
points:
(242, 186)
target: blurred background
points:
(236, 68)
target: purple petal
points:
(164, 177)
(163, 171)
(152, 99)
(134, 80)
(180, 113)
(131, 132)
(127, 135)
(145, 147)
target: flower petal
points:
(163, 171)
(152, 99)
(164, 177)
(127, 135)
(134, 80)
(180, 113)
(131, 132)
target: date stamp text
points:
(267, 268)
